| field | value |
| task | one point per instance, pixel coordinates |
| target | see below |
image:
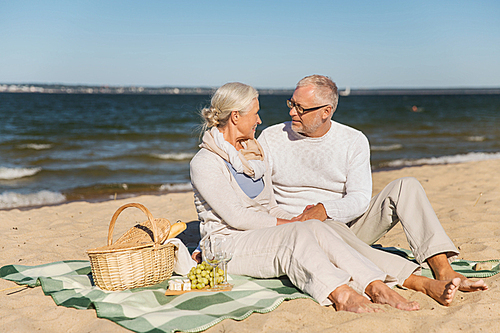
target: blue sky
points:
(268, 44)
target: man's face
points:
(310, 123)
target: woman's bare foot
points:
(443, 271)
(344, 298)
(380, 293)
(441, 291)
(443, 294)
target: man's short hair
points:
(326, 91)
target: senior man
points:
(314, 159)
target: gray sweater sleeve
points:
(211, 179)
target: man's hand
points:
(317, 212)
(197, 256)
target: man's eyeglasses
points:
(291, 104)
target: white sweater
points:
(221, 204)
(333, 170)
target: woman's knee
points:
(321, 230)
(301, 230)
(314, 223)
(316, 226)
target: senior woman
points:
(234, 197)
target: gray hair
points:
(233, 96)
(326, 91)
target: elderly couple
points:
(297, 203)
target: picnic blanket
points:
(70, 284)
(464, 267)
(148, 309)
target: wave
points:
(461, 158)
(15, 173)
(35, 146)
(395, 146)
(179, 187)
(174, 156)
(478, 138)
(14, 200)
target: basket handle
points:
(144, 210)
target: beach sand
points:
(466, 198)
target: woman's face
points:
(247, 124)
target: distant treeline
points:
(83, 89)
(427, 91)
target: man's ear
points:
(327, 113)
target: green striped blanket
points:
(464, 267)
(149, 310)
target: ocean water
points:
(62, 147)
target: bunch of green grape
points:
(202, 275)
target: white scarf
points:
(249, 160)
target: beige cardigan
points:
(221, 204)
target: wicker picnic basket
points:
(137, 259)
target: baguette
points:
(176, 229)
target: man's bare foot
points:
(443, 271)
(344, 298)
(465, 283)
(380, 293)
(441, 291)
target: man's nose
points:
(293, 112)
(259, 121)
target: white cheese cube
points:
(175, 284)
(186, 285)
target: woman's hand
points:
(283, 221)
(293, 219)
(311, 212)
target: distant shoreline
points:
(139, 90)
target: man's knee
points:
(404, 184)
(406, 180)
(410, 184)
(410, 180)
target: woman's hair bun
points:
(233, 96)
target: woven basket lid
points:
(143, 232)
(138, 237)
(123, 247)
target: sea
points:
(56, 148)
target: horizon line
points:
(215, 87)
(45, 88)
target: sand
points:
(466, 198)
